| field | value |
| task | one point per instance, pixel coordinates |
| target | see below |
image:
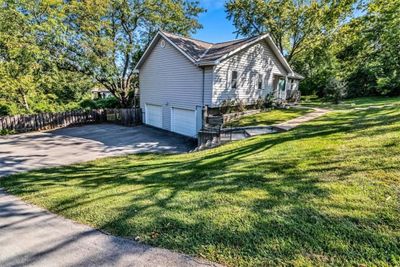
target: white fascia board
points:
(280, 57)
(297, 77)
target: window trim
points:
(260, 81)
(234, 83)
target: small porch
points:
(286, 88)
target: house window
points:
(234, 79)
(259, 82)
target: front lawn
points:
(326, 193)
(269, 117)
(361, 102)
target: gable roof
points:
(202, 51)
(205, 54)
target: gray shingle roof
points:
(201, 51)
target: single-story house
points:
(179, 76)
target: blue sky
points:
(216, 27)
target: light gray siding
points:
(169, 79)
(208, 85)
(248, 62)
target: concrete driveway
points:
(65, 146)
(32, 236)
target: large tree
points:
(29, 78)
(366, 50)
(105, 38)
(294, 25)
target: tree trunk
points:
(24, 100)
(122, 94)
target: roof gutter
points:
(207, 63)
(296, 77)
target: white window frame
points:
(231, 81)
(258, 79)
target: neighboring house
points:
(179, 76)
(99, 93)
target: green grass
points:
(269, 117)
(326, 193)
(361, 102)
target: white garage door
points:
(184, 122)
(154, 115)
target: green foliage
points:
(260, 102)
(335, 90)
(293, 25)
(269, 101)
(6, 132)
(53, 52)
(5, 110)
(367, 48)
(240, 105)
(29, 77)
(227, 106)
(324, 41)
(104, 39)
(88, 104)
(108, 102)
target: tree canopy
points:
(104, 39)
(351, 43)
(29, 78)
(52, 51)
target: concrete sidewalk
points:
(31, 236)
(290, 124)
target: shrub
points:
(268, 101)
(240, 104)
(335, 90)
(4, 110)
(6, 132)
(88, 104)
(109, 102)
(223, 107)
(226, 106)
(260, 102)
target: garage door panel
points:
(154, 115)
(184, 121)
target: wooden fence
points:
(47, 121)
